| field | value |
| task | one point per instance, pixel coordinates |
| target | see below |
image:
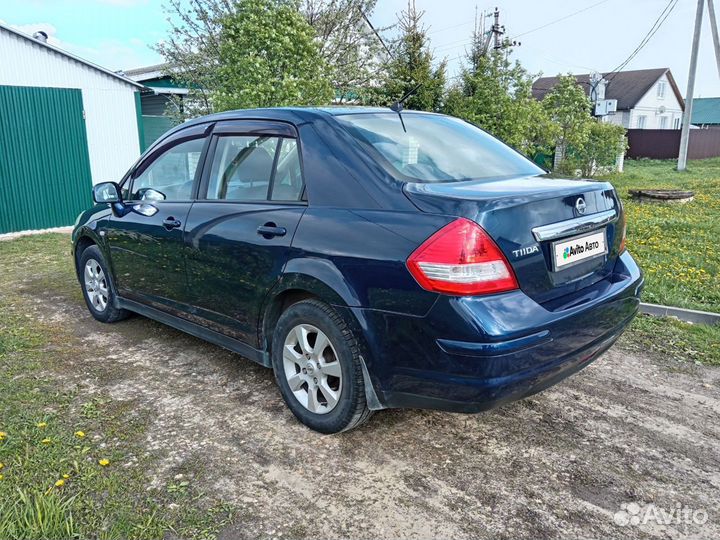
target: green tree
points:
(192, 49)
(496, 94)
(268, 57)
(412, 65)
(348, 45)
(569, 108)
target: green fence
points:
(45, 178)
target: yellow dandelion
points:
(46, 441)
(79, 434)
(104, 462)
(42, 425)
(66, 476)
(1, 477)
(60, 483)
(2, 435)
(1, 465)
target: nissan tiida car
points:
(370, 258)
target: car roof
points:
(292, 114)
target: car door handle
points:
(171, 223)
(270, 230)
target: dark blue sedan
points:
(371, 259)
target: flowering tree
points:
(268, 57)
(197, 44)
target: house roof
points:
(157, 79)
(70, 55)
(147, 72)
(706, 111)
(628, 87)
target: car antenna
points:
(398, 106)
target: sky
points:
(119, 34)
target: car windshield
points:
(435, 148)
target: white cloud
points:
(46, 27)
(111, 54)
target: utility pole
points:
(685, 133)
(714, 31)
(497, 30)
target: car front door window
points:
(170, 176)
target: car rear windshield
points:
(435, 148)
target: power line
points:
(664, 14)
(453, 44)
(449, 27)
(437, 30)
(562, 18)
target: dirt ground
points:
(628, 429)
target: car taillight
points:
(461, 259)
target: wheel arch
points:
(84, 239)
(294, 287)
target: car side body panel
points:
(230, 267)
(369, 256)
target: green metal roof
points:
(163, 82)
(706, 111)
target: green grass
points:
(53, 484)
(675, 339)
(677, 246)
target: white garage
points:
(65, 124)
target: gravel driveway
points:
(628, 430)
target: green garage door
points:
(45, 176)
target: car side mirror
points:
(151, 194)
(107, 192)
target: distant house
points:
(706, 112)
(156, 102)
(646, 98)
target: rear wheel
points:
(97, 288)
(316, 359)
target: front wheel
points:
(316, 359)
(97, 287)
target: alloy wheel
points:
(312, 368)
(96, 285)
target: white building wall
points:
(620, 118)
(109, 103)
(650, 105)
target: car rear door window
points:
(171, 174)
(287, 184)
(242, 168)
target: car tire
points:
(97, 287)
(328, 388)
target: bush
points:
(604, 143)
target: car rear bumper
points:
(469, 354)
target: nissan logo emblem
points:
(580, 205)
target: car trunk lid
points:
(532, 220)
